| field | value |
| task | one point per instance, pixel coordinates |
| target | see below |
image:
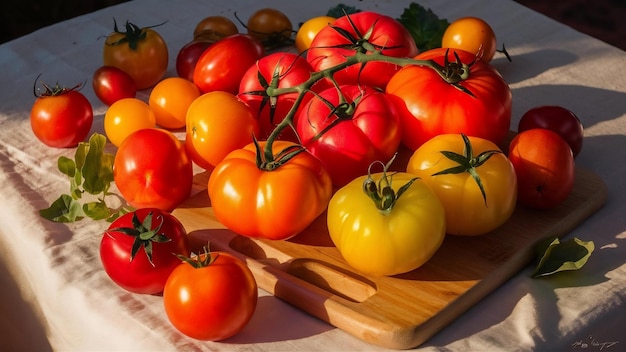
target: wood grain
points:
(402, 311)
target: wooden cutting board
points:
(397, 312)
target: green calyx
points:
(144, 234)
(200, 260)
(468, 163)
(132, 36)
(380, 191)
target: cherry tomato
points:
(61, 117)
(557, 119)
(269, 25)
(152, 170)
(471, 34)
(170, 99)
(140, 52)
(188, 56)
(218, 123)
(138, 250)
(545, 168)
(126, 116)
(214, 28)
(210, 298)
(224, 63)
(112, 84)
(309, 29)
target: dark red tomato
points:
(152, 170)
(383, 32)
(138, 251)
(112, 84)
(544, 165)
(61, 117)
(430, 106)
(211, 298)
(557, 119)
(188, 56)
(224, 63)
(363, 128)
(276, 70)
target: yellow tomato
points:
(470, 34)
(170, 99)
(126, 116)
(309, 29)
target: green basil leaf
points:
(97, 168)
(96, 210)
(64, 209)
(555, 256)
(425, 26)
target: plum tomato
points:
(557, 119)
(112, 84)
(126, 116)
(545, 168)
(170, 99)
(471, 34)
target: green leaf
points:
(64, 209)
(555, 256)
(67, 166)
(98, 168)
(341, 10)
(425, 26)
(96, 210)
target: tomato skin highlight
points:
(545, 168)
(557, 119)
(161, 178)
(211, 303)
(61, 120)
(138, 275)
(111, 84)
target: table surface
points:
(57, 297)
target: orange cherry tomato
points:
(471, 34)
(309, 29)
(126, 116)
(170, 99)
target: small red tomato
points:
(112, 84)
(188, 56)
(544, 165)
(61, 117)
(557, 119)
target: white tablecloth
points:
(55, 295)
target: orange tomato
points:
(170, 99)
(309, 29)
(471, 34)
(126, 116)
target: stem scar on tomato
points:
(468, 163)
(144, 234)
(380, 192)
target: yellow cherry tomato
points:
(309, 29)
(170, 99)
(126, 116)
(471, 34)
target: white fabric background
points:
(55, 295)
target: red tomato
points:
(170, 99)
(61, 117)
(545, 168)
(112, 84)
(276, 70)
(557, 119)
(138, 251)
(383, 32)
(278, 201)
(224, 63)
(212, 298)
(188, 56)
(152, 170)
(430, 106)
(358, 128)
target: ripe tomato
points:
(214, 28)
(218, 123)
(383, 32)
(430, 106)
(138, 251)
(446, 163)
(140, 52)
(389, 239)
(126, 116)
(152, 170)
(471, 34)
(269, 26)
(188, 56)
(276, 70)
(350, 129)
(61, 117)
(224, 63)
(544, 165)
(557, 119)
(112, 84)
(309, 29)
(278, 203)
(170, 99)
(210, 298)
